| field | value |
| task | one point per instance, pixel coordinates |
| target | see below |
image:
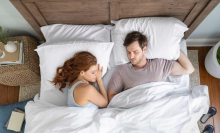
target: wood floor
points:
(212, 83)
(9, 94)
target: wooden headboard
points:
(44, 12)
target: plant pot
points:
(10, 47)
(211, 63)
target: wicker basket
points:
(21, 74)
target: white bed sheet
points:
(56, 97)
(159, 109)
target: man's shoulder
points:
(157, 60)
(161, 62)
(122, 66)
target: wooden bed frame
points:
(44, 12)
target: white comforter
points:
(158, 107)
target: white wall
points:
(210, 26)
(11, 19)
(208, 32)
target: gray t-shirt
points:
(126, 76)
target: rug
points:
(194, 78)
(29, 91)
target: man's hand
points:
(183, 66)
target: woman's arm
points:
(102, 89)
(100, 99)
(95, 97)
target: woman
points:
(77, 72)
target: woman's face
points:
(90, 75)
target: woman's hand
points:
(99, 73)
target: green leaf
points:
(218, 55)
(2, 36)
(8, 32)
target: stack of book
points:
(16, 120)
(12, 58)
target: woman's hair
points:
(71, 69)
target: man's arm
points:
(111, 94)
(183, 66)
(115, 85)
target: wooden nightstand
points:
(21, 74)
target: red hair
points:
(71, 69)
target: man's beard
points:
(138, 61)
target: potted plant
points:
(9, 45)
(212, 61)
(218, 55)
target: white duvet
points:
(159, 107)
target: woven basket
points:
(21, 74)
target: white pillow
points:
(54, 55)
(65, 32)
(163, 33)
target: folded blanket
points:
(158, 107)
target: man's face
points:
(135, 53)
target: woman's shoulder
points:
(84, 90)
(86, 87)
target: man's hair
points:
(135, 36)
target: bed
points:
(150, 112)
(46, 12)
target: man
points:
(141, 70)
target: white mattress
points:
(56, 97)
